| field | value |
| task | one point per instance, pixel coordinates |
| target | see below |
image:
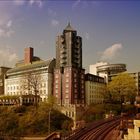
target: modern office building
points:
(69, 85)
(93, 68)
(108, 71)
(31, 65)
(95, 88)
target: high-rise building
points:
(69, 85)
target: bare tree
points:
(31, 83)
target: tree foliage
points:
(122, 88)
(27, 121)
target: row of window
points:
(70, 114)
(95, 96)
(41, 92)
(43, 85)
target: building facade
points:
(31, 65)
(95, 88)
(69, 85)
(136, 76)
(93, 68)
(107, 70)
(3, 71)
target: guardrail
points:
(54, 136)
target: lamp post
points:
(49, 120)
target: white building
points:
(106, 70)
(15, 77)
(93, 68)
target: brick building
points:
(69, 85)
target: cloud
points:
(87, 36)
(39, 3)
(51, 12)
(19, 2)
(76, 3)
(54, 22)
(9, 24)
(6, 29)
(7, 58)
(111, 52)
(81, 4)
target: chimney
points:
(28, 55)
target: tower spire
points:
(69, 28)
(69, 24)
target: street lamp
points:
(49, 120)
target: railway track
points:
(96, 131)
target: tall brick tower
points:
(69, 85)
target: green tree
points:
(122, 88)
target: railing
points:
(54, 136)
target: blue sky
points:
(110, 29)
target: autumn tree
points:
(31, 84)
(122, 88)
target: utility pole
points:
(49, 120)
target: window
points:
(75, 75)
(67, 96)
(75, 90)
(44, 91)
(67, 91)
(56, 86)
(56, 76)
(67, 85)
(44, 84)
(72, 114)
(67, 74)
(139, 129)
(67, 80)
(56, 91)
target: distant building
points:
(3, 71)
(136, 76)
(30, 64)
(94, 89)
(93, 68)
(69, 85)
(108, 71)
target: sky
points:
(110, 29)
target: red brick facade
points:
(28, 55)
(69, 86)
